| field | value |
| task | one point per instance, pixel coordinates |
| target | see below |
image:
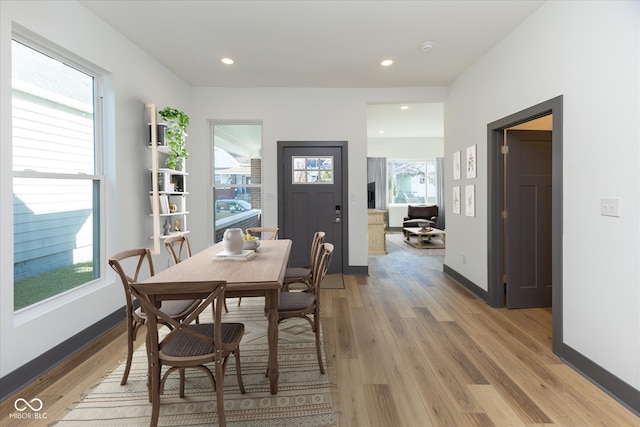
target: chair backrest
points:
(321, 266)
(318, 239)
(134, 258)
(178, 247)
(422, 212)
(266, 233)
(151, 296)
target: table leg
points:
(271, 304)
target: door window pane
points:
(312, 170)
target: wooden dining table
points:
(262, 275)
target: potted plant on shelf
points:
(176, 122)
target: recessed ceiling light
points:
(404, 107)
(386, 62)
(227, 61)
(380, 131)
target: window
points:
(312, 170)
(237, 178)
(56, 178)
(411, 181)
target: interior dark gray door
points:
(312, 200)
(528, 231)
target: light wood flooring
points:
(407, 346)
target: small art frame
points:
(456, 165)
(470, 200)
(456, 200)
(471, 162)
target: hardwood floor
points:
(407, 346)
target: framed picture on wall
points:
(471, 161)
(456, 199)
(456, 165)
(470, 200)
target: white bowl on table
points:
(252, 244)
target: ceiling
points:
(324, 43)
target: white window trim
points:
(103, 120)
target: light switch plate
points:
(610, 206)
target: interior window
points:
(237, 178)
(411, 181)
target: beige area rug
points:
(332, 281)
(303, 399)
(397, 240)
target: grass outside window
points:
(38, 288)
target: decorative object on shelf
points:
(177, 123)
(233, 240)
(176, 225)
(173, 208)
(167, 227)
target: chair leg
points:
(239, 301)
(127, 368)
(154, 393)
(181, 383)
(316, 328)
(236, 354)
(220, 393)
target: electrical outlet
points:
(610, 207)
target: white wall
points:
(294, 114)
(406, 148)
(587, 51)
(137, 79)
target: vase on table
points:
(233, 240)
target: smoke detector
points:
(427, 46)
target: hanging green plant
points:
(177, 123)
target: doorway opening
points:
(496, 207)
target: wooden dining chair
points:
(264, 233)
(304, 275)
(178, 247)
(307, 304)
(188, 345)
(134, 260)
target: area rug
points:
(332, 281)
(397, 240)
(303, 399)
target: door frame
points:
(343, 145)
(495, 188)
